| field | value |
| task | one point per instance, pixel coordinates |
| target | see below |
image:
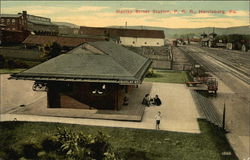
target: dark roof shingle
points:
(113, 64)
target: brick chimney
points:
(25, 18)
(24, 13)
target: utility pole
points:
(224, 117)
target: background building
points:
(16, 27)
(127, 37)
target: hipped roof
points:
(107, 62)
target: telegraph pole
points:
(224, 117)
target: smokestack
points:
(126, 24)
(24, 13)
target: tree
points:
(2, 61)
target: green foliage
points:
(30, 150)
(127, 143)
(150, 73)
(167, 77)
(79, 146)
(234, 38)
(185, 36)
(2, 61)
(55, 50)
(50, 144)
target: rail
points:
(206, 109)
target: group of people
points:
(147, 101)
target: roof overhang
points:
(71, 79)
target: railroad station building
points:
(127, 37)
(93, 75)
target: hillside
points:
(71, 25)
(171, 32)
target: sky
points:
(170, 14)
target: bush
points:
(50, 144)
(80, 146)
(16, 64)
(30, 150)
(150, 73)
(2, 61)
(11, 153)
(98, 145)
(65, 144)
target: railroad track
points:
(206, 109)
(215, 64)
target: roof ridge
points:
(112, 58)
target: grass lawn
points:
(134, 144)
(168, 76)
(9, 71)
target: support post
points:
(224, 117)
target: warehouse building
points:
(127, 37)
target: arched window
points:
(13, 20)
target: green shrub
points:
(11, 153)
(151, 73)
(79, 146)
(30, 150)
(50, 144)
(2, 61)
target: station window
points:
(145, 42)
(8, 21)
(133, 42)
(2, 20)
(13, 21)
(157, 43)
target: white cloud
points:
(97, 17)
(181, 22)
(35, 10)
(202, 15)
(90, 8)
(127, 8)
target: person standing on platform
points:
(158, 120)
